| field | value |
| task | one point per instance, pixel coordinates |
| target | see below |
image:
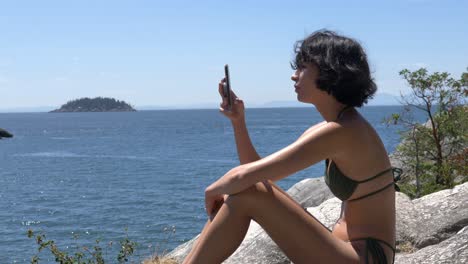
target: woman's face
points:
(306, 84)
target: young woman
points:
(332, 73)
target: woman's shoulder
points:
(357, 126)
(359, 135)
(312, 128)
(351, 131)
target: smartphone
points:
(227, 87)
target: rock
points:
(432, 218)
(405, 216)
(451, 251)
(257, 248)
(427, 224)
(5, 134)
(180, 252)
(310, 192)
(328, 212)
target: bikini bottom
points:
(375, 249)
(372, 246)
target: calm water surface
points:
(96, 175)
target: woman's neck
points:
(330, 111)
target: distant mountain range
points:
(379, 99)
(385, 99)
(37, 109)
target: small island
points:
(98, 104)
(5, 134)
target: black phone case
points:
(227, 87)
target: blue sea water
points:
(108, 175)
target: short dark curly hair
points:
(343, 68)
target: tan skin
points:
(248, 192)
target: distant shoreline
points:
(27, 111)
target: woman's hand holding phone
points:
(237, 109)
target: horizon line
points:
(168, 108)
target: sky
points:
(171, 53)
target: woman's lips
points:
(296, 88)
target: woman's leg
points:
(220, 228)
(301, 237)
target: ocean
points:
(79, 177)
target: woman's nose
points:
(295, 75)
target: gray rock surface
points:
(432, 218)
(428, 224)
(310, 192)
(451, 251)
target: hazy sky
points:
(172, 52)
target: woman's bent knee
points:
(249, 196)
(259, 188)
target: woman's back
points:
(362, 157)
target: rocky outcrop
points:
(310, 192)
(5, 134)
(432, 218)
(451, 251)
(436, 223)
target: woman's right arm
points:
(245, 149)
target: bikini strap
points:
(342, 112)
(376, 176)
(394, 170)
(396, 178)
(372, 193)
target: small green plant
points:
(83, 255)
(127, 248)
(98, 253)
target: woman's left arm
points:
(309, 149)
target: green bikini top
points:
(343, 187)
